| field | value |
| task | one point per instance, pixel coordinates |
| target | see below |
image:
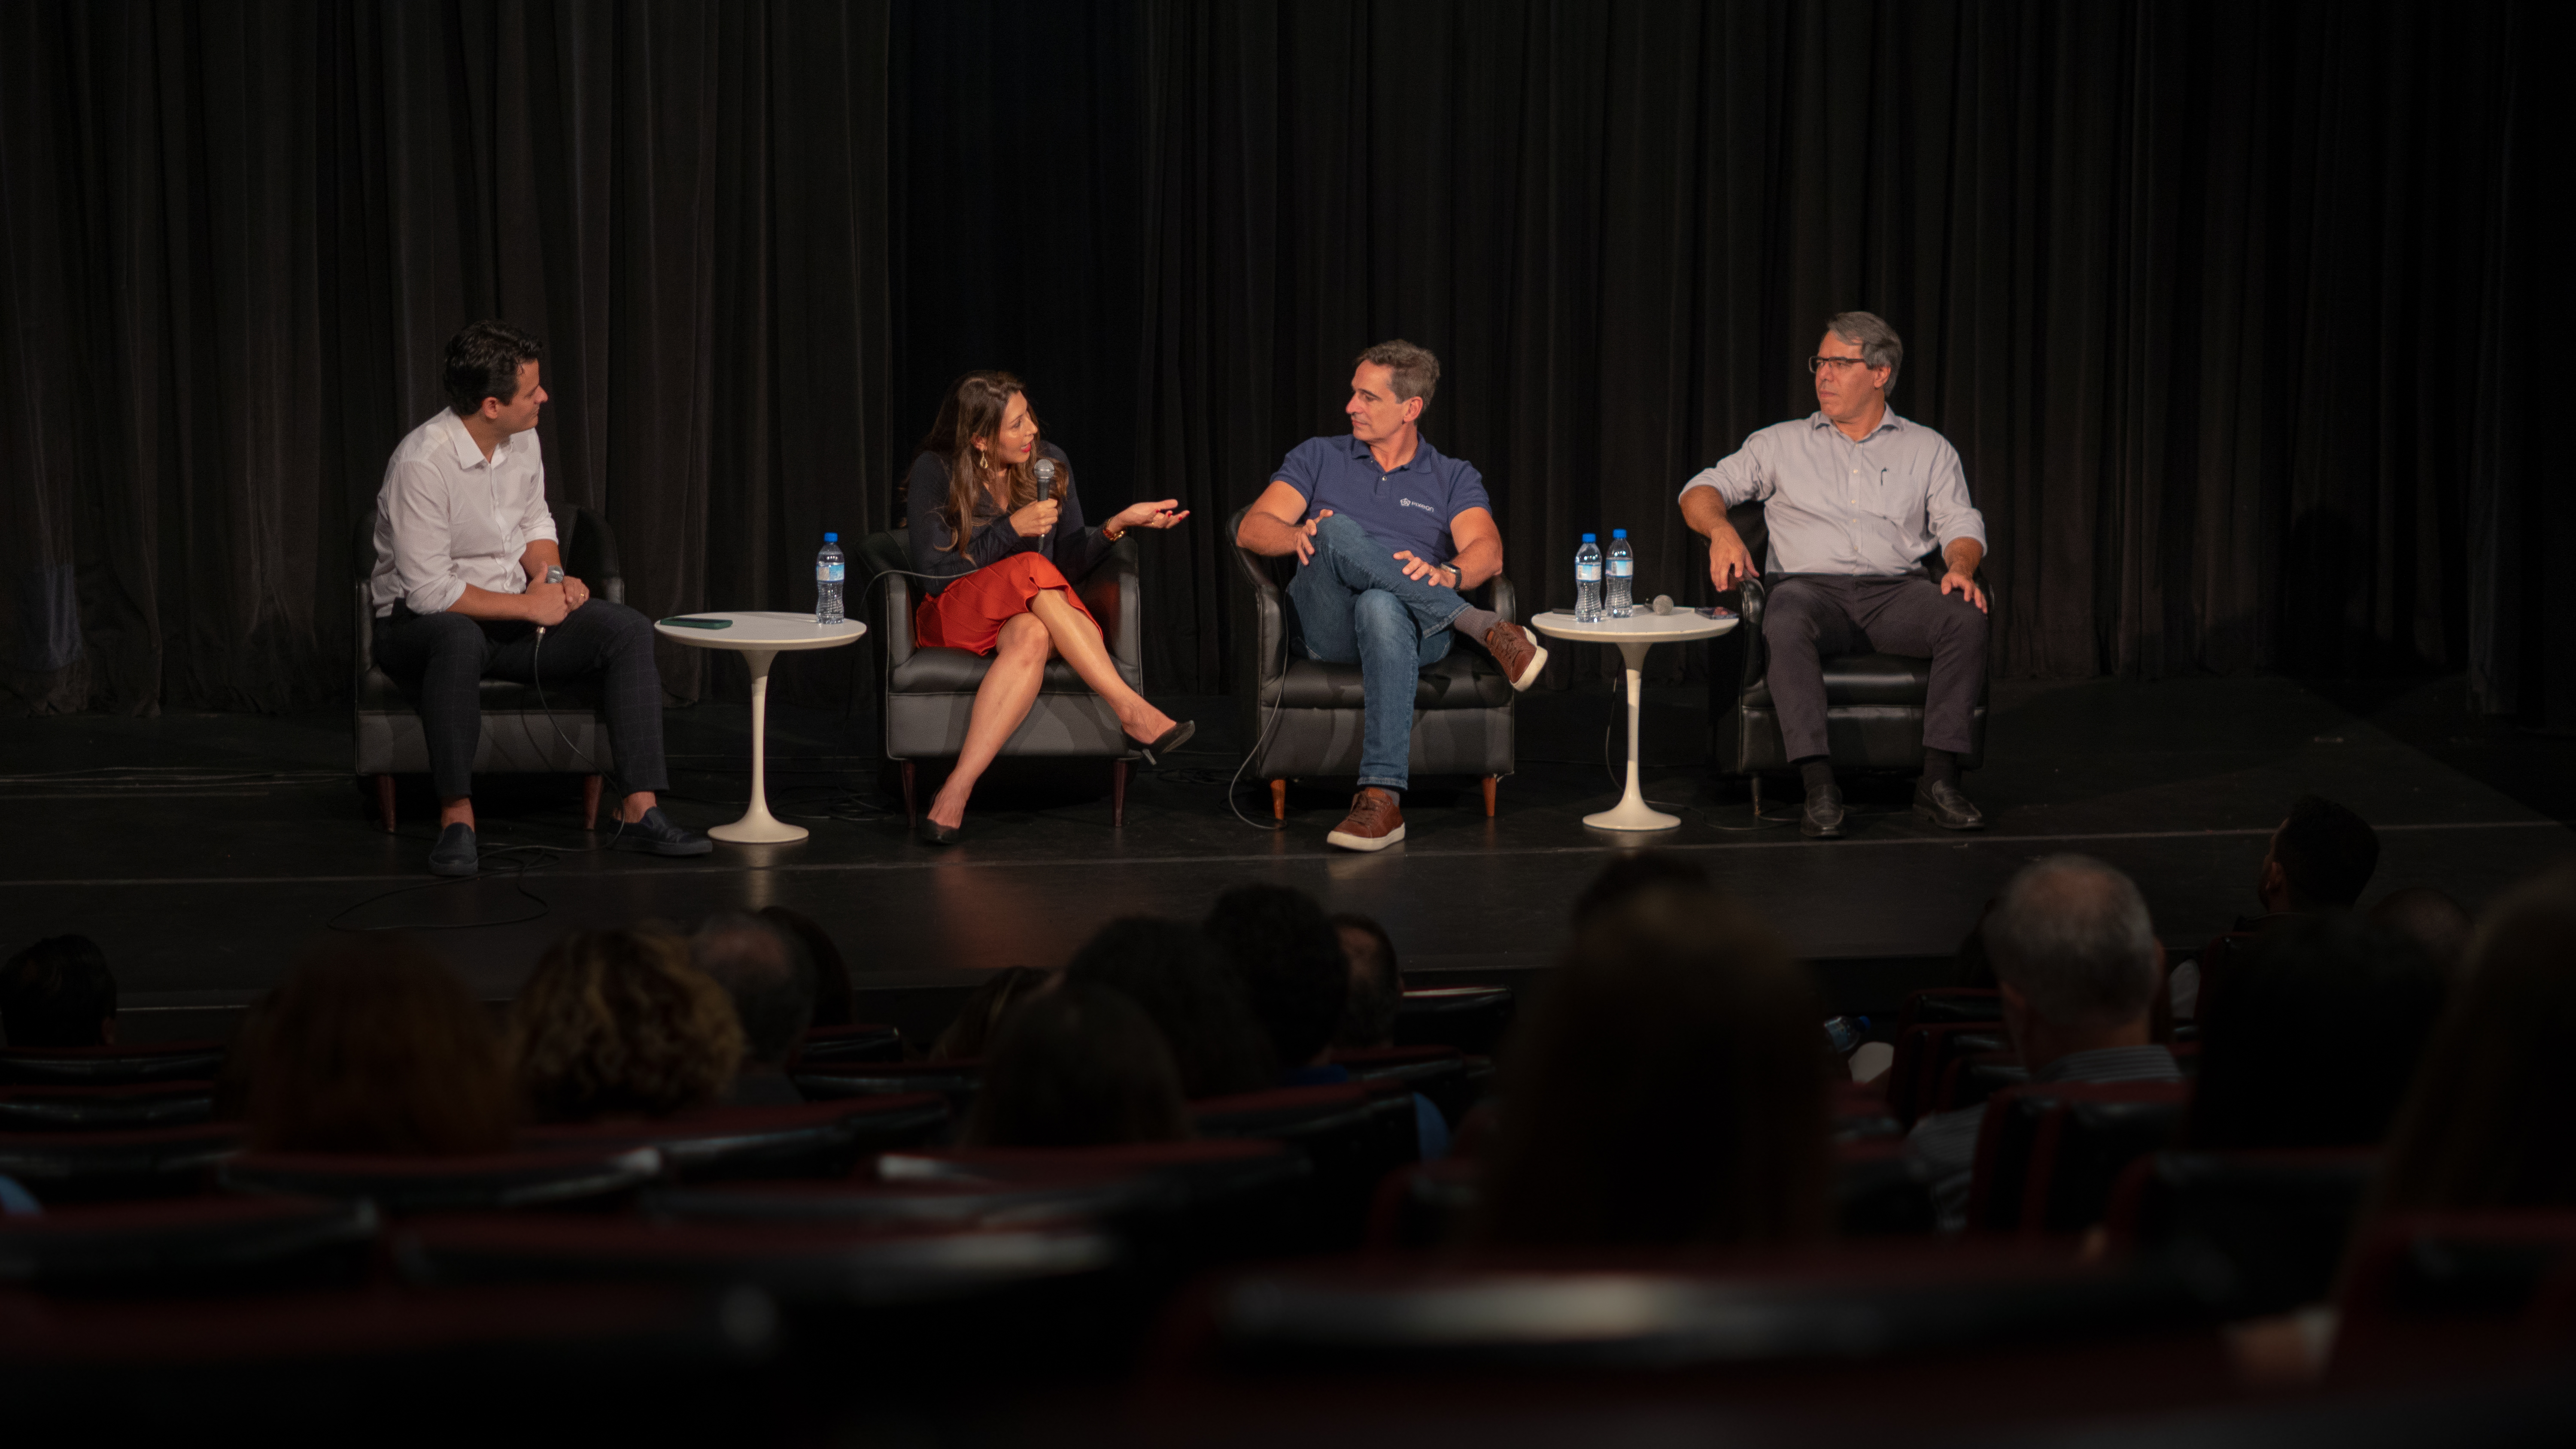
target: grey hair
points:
(1878, 343)
(1417, 372)
(2072, 935)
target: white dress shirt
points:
(448, 516)
(1871, 509)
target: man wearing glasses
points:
(1854, 496)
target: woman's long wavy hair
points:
(973, 409)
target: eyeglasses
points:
(1819, 364)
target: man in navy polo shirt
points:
(1386, 532)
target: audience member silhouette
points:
(1288, 958)
(2321, 859)
(766, 970)
(2487, 1124)
(2326, 1018)
(2437, 924)
(833, 1005)
(1078, 1066)
(1174, 975)
(375, 1047)
(58, 993)
(2076, 961)
(970, 1033)
(1377, 985)
(1663, 1088)
(619, 1024)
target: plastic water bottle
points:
(1843, 1034)
(829, 572)
(1623, 574)
(1587, 582)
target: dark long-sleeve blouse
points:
(1072, 547)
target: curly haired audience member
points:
(618, 1023)
(375, 1047)
(1664, 1088)
(1078, 1066)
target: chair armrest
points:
(1750, 596)
(365, 653)
(1269, 625)
(1500, 598)
(1111, 592)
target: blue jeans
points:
(1355, 606)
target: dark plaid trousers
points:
(442, 658)
(1809, 617)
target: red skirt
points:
(969, 613)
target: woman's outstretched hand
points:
(1162, 513)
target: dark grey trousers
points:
(1809, 617)
(442, 659)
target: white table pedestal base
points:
(1632, 812)
(757, 826)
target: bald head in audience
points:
(2076, 957)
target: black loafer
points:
(1823, 817)
(1941, 803)
(454, 853)
(934, 833)
(656, 834)
(1172, 739)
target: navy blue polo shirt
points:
(1409, 508)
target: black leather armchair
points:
(1462, 722)
(519, 736)
(1873, 702)
(929, 694)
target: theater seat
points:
(596, 1176)
(1453, 1081)
(111, 1066)
(858, 1043)
(70, 1167)
(2278, 1220)
(832, 1081)
(2049, 1154)
(816, 1139)
(1354, 1134)
(189, 1245)
(1924, 1052)
(106, 1108)
(1470, 1018)
(2432, 1295)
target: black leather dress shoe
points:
(655, 833)
(454, 853)
(1941, 803)
(1823, 817)
(1172, 739)
(932, 832)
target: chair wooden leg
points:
(911, 812)
(1278, 799)
(1117, 794)
(1490, 782)
(590, 786)
(385, 801)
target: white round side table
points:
(759, 636)
(1635, 635)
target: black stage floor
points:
(205, 850)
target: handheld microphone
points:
(554, 575)
(1045, 471)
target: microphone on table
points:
(1044, 469)
(1663, 603)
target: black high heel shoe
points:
(1172, 739)
(931, 832)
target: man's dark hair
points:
(1079, 1066)
(2326, 854)
(1626, 875)
(833, 1005)
(1377, 986)
(57, 993)
(2316, 1042)
(1175, 976)
(770, 977)
(1415, 372)
(483, 361)
(1289, 958)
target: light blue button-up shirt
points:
(1871, 509)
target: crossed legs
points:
(1052, 628)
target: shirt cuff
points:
(435, 596)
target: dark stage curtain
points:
(2228, 307)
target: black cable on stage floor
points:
(509, 860)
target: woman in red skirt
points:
(999, 548)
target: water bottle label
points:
(1621, 568)
(1587, 573)
(829, 573)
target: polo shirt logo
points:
(1425, 507)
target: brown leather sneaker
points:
(1376, 821)
(1512, 648)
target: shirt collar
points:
(1817, 419)
(1423, 453)
(469, 453)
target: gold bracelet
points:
(1112, 534)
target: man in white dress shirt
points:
(1854, 497)
(463, 545)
